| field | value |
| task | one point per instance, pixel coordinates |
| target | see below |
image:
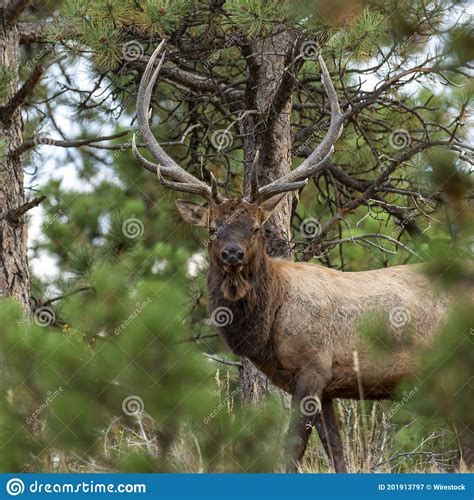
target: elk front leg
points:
(305, 403)
(327, 426)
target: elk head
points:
(235, 226)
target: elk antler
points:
(169, 173)
(298, 178)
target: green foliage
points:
(119, 360)
(163, 16)
(363, 36)
(254, 17)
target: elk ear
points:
(268, 206)
(193, 213)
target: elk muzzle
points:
(232, 255)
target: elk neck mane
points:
(253, 296)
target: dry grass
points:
(369, 439)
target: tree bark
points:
(14, 273)
(267, 129)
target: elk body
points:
(299, 323)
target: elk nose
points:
(232, 255)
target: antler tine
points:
(251, 190)
(319, 158)
(178, 178)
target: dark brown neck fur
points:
(253, 312)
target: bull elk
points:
(297, 322)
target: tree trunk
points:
(14, 274)
(268, 130)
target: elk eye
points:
(212, 231)
(256, 230)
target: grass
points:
(373, 443)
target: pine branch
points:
(66, 144)
(20, 97)
(15, 215)
(14, 10)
